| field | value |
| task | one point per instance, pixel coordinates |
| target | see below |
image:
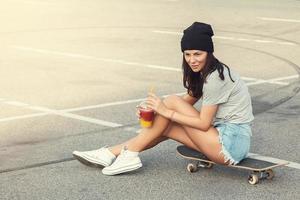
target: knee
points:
(171, 101)
(166, 132)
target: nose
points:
(192, 59)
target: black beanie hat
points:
(198, 37)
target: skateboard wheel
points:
(270, 174)
(191, 167)
(253, 179)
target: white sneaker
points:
(99, 158)
(127, 161)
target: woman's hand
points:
(138, 113)
(155, 103)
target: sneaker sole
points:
(88, 162)
(116, 172)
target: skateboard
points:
(258, 169)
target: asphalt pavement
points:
(72, 73)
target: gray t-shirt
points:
(233, 98)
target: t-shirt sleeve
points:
(215, 90)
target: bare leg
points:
(146, 138)
(117, 149)
(206, 142)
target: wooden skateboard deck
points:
(258, 169)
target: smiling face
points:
(196, 59)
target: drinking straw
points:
(152, 89)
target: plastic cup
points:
(146, 116)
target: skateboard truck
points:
(255, 176)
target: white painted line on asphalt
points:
(279, 19)
(165, 68)
(285, 77)
(103, 105)
(47, 111)
(264, 81)
(249, 78)
(23, 117)
(274, 80)
(294, 165)
(74, 55)
(274, 160)
(74, 116)
(61, 112)
(16, 103)
(168, 32)
(232, 38)
(65, 112)
(253, 40)
(112, 104)
(91, 120)
(44, 51)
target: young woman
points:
(221, 130)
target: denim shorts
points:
(235, 140)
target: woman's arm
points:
(202, 122)
(190, 99)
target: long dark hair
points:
(193, 81)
